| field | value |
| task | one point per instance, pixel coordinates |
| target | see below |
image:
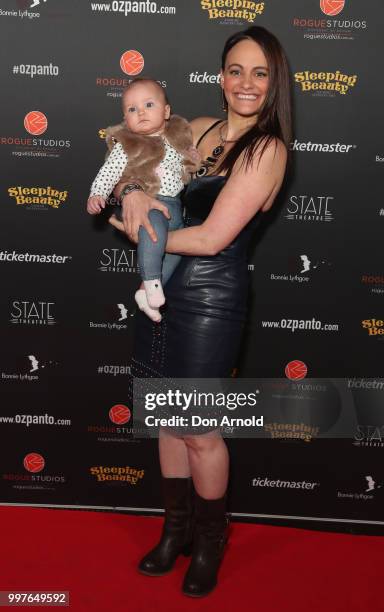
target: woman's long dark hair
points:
(275, 116)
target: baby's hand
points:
(95, 204)
(195, 155)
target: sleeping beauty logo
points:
(233, 11)
(38, 198)
(319, 83)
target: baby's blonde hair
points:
(145, 80)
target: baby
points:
(151, 151)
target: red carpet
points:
(268, 569)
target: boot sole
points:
(186, 552)
(197, 595)
(154, 575)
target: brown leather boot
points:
(176, 537)
(209, 540)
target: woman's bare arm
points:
(246, 193)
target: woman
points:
(206, 296)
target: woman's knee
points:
(203, 443)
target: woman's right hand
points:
(135, 209)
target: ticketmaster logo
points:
(284, 484)
(203, 77)
(318, 147)
(34, 257)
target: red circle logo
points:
(296, 370)
(35, 123)
(119, 414)
(33, 462)
(132, 62)
(332, 7)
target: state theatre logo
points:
(118, 260)
(369, 436)
(132, 62)
(235, 12)
(36, 123)
(332, 7)
(35, 313)
(308, 208)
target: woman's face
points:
(245, 78)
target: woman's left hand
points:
(113, 220)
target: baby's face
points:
(145, 110)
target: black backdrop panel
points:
(67, 310)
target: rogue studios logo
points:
(131, 64)
(34, 463)
(296, 370)
(327, 25)
(374, 282)
(332, 7)
(36, 124)
(120, 427)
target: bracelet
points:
(128, 188)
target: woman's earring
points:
(223, 101)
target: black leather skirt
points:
(203, 320)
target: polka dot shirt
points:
(169, 171)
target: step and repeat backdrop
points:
(316, 316)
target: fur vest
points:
(146, 152)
